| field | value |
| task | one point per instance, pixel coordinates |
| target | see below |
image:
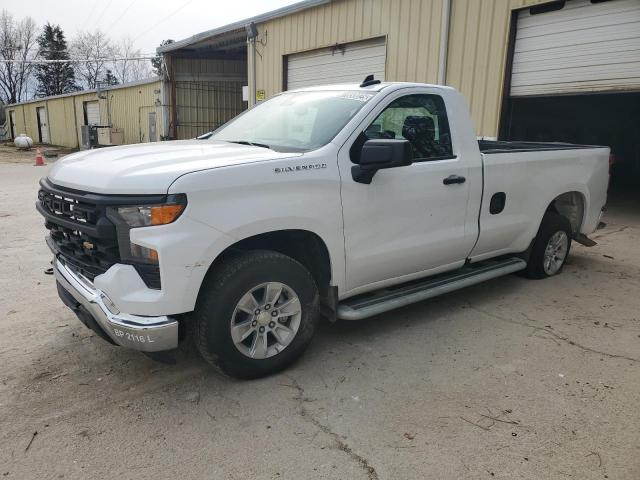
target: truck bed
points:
(497, 146)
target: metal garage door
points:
(580, 48)
(92, 110)
(346, 63)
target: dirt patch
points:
(10, 154)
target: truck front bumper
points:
(94, 308)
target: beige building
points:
(134, 111)
(563, 70)
(411, 35)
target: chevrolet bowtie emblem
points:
(88, 245)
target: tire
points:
(554, 234)
(224, 302)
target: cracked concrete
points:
(555, 335)
(508, 379)
(340, 443)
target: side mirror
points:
(378, 154)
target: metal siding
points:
(478, 39)
(330, 65)
(411, 28)
(583, 47)
(28, 119)
(60, 112)
(129, 111)
(129, 108)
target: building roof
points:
(84, 92)
(280, 12)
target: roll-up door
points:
(580, 47)
(345, 63)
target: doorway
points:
(43, 124)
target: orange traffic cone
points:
(39, 159)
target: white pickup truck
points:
(344, 201)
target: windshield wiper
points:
(253, 144)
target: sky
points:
(147, 22)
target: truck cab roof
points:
(369, 88)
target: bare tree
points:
(18, 45)
(95, 50)
(129, 69)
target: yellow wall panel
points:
(478, 40)
(125, 107)
(412, 29)
(128, 108)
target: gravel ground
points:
(10, 154)
(509, 379)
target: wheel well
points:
(571, 206)
(302, 245)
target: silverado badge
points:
(299, 168)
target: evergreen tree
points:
(59, 77)
(156, 62)
(109, 78)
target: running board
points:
(368, 305)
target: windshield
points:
(294, 122)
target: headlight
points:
(133, 216)
(149, 215)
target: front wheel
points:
(256, 314)
(550, 248)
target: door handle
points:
(451, 179)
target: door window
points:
(421, 119)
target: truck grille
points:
(92, 256)
(68, 208)
(81, 234)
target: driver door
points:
(407, 223)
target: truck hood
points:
(151, 167)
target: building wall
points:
(128, 108)
(26, 119)
(61, 119)
(125, 108)
(478, 38)
(412, 29)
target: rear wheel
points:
(256, 314)
(550, 248)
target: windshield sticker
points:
(360, 97)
